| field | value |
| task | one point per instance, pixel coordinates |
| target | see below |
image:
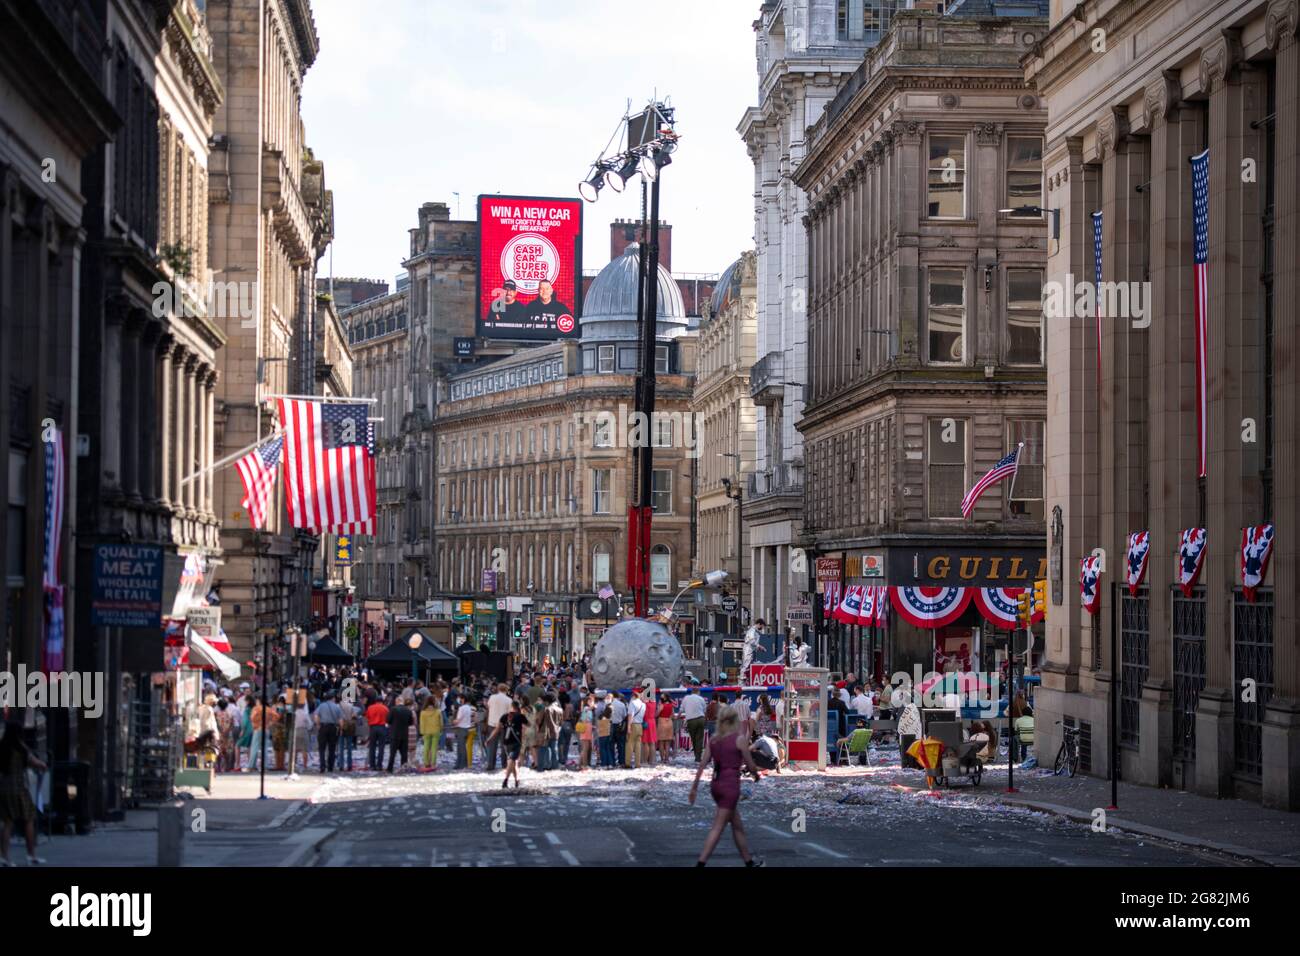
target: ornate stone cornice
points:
(1161, 97)
(1219, 58)
(182, 45)
(908, 131)
(1112, 129)
(1281, 19)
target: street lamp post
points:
(414, 642)
(734, 493)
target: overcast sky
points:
(411, 101)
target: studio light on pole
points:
(591, 187)
(616, 179)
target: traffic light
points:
(1040, 597)
(519, 629)
(1025, 608)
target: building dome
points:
(609, 310)
(727, 288)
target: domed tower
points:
(609, 318)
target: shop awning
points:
(202, 654)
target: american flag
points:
(1096, 258)
(55, 491)
(325, 464)
(1005, 466)
(257, 472)
(367, 526)
(1200, 267)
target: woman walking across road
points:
(16, 806)
(511, 731)
(728, 751)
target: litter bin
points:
(70, 795)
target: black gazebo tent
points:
(328, 651)
(430, 658)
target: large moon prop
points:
(635, 650)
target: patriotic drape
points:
(931, 607)
(367, 526)
(1090, 582)
(1000, 606)
(1096, 258)
(851, 606)
(1005, 468)
(55, 494)
(1200, 267)
(327, 482)
(1256, 549)
(1135, 560)
(1191, 555)
(257, 472)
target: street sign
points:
(733, 645)
(729, 604)
(127, 587)
(205, 622)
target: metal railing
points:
(783, 479)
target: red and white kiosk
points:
(804, 716)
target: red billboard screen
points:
(530, 267)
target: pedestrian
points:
(259, 718)
(16, 806)
(635, 728)
(586, 717)
(478, 730)
(431, 730)
(281, 728)
(347, 733)
(554, 730)
(765, 717)
(464, 723)
(301, 734)
(664, 732)
(728, 751)
(328, 716)
(650, 736)
(226, 739)
(509, 733)
(694, 710)
(245, 740)
(400, 721)
(568, 723)
(711, 713)
(498, 706)
(605, 736)
(377, 727)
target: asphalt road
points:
(596, 819)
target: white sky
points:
(412, 100)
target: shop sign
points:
(205, 622)
(729, 604)
(489, 583)
(546, 628)
(828, 569)
(873, 566)
(799, 614)
(127, 587)
(967, 567)
(766, 675)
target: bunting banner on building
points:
(1200, 273)
(1135, 560)
(325, 452)
(931, 607)
(830, 598)
(1090, 582)
(1191, 555)
(1096, 258)
(882, 605)
(1256, 549)
(1000, 606)
(867, 612)
(56, 484)
(850, 606)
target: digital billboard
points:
(530, 267)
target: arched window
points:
(661, 568)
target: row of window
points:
(608, 359)
(460, 568)
(540, 494)
(359, 331)
(946, 338)
(945, 193)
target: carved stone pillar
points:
(163, 413)
(148, 416)
(128, 423)
(179, 358)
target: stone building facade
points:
(725, 416)
(925, 334)
(535, 471)
(1175, 79)
(271, 218)
(805, 48)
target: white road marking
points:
(552, 839)
(288, 811)
(774, 830)
(569, 858)
(829, 852)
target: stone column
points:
(910, 138)
(128, 424)
(110, 399)
(984, 320)
(1236, 97)
(148, 417)
(1281, 734)
(166, 439)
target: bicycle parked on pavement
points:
(1067, 758)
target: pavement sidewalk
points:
(1236, 827)
(229, 827)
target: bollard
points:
(171, 834)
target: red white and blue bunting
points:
(1135, 561)
(1256, 549)
(830, 598)
(1090, 582)
(882, 606)
(1191, 555)
(867, 612)
(850, 606)
(931, 607)
(1000, 606)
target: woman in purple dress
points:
(727, 751)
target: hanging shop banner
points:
(867, 612)
(1090, 582)
(850, 606)
(1191, 555)
(968, 566)
(530, 267)
(343, 551)
(1135, 561)
(882, 606)
(931, 607)
(127, 588)
(1256, 549)
(999, 606)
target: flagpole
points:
(1015, 471)
(335, 399)
(234, 456)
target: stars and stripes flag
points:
(1200, 267)
(257, 472)
(56, 486)
(1006, 467)
(367, 526)
(1096, 258)
(327, 484)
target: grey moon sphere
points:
(632, 651)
